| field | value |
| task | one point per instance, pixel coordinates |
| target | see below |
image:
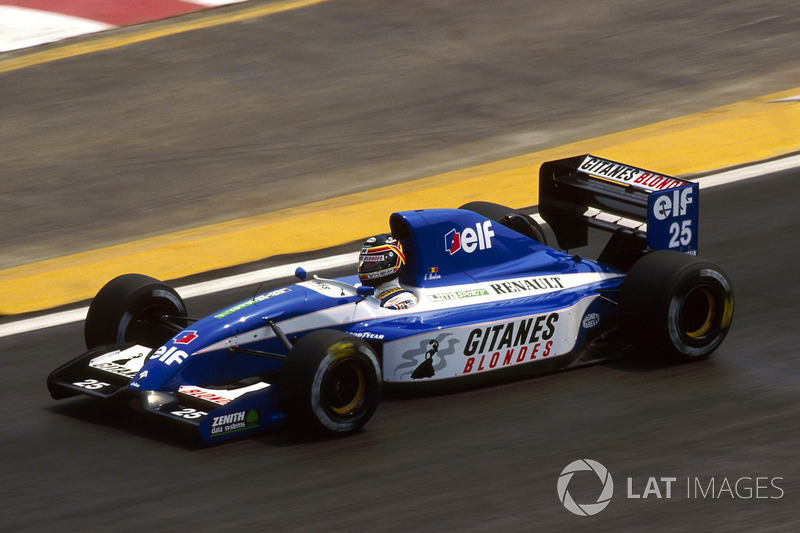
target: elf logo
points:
(665, 207)
(469, 240)
(169, 356)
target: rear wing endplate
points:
(643, 209)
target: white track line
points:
(748, 172)
(189, 291)
(338, 261)
(21, 27)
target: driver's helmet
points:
(381, 260)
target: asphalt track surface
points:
(486, 459)
(481, 460)
(343, 96)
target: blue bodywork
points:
(444, 248)
(481, 286)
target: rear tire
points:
(330, 384)
(676, 306)
(519, 222)
(130, 308)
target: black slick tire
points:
(330, 384)
(676, 307)
(131, 308)
(515, 220)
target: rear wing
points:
(642, 209)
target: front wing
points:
(210, 413)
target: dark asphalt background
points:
(115, 145)
(247, 118)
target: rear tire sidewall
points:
(698, 337)
(676, 306)
(510, 218)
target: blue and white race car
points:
(493, 299)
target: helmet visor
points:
(379, 261)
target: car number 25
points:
(680, 235)
(189, 413)
(91, 384)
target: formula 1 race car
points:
(493, 299)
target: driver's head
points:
(380, 261)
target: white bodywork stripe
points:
(432, 299)
(220, 396)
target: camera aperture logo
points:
(585, 509)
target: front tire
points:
(330, 384)
(676, 306)
(132, 308)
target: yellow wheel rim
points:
(348, 384)
(706, 299)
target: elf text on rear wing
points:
(642, 209)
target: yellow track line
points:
(126, 36)
(734, 134)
